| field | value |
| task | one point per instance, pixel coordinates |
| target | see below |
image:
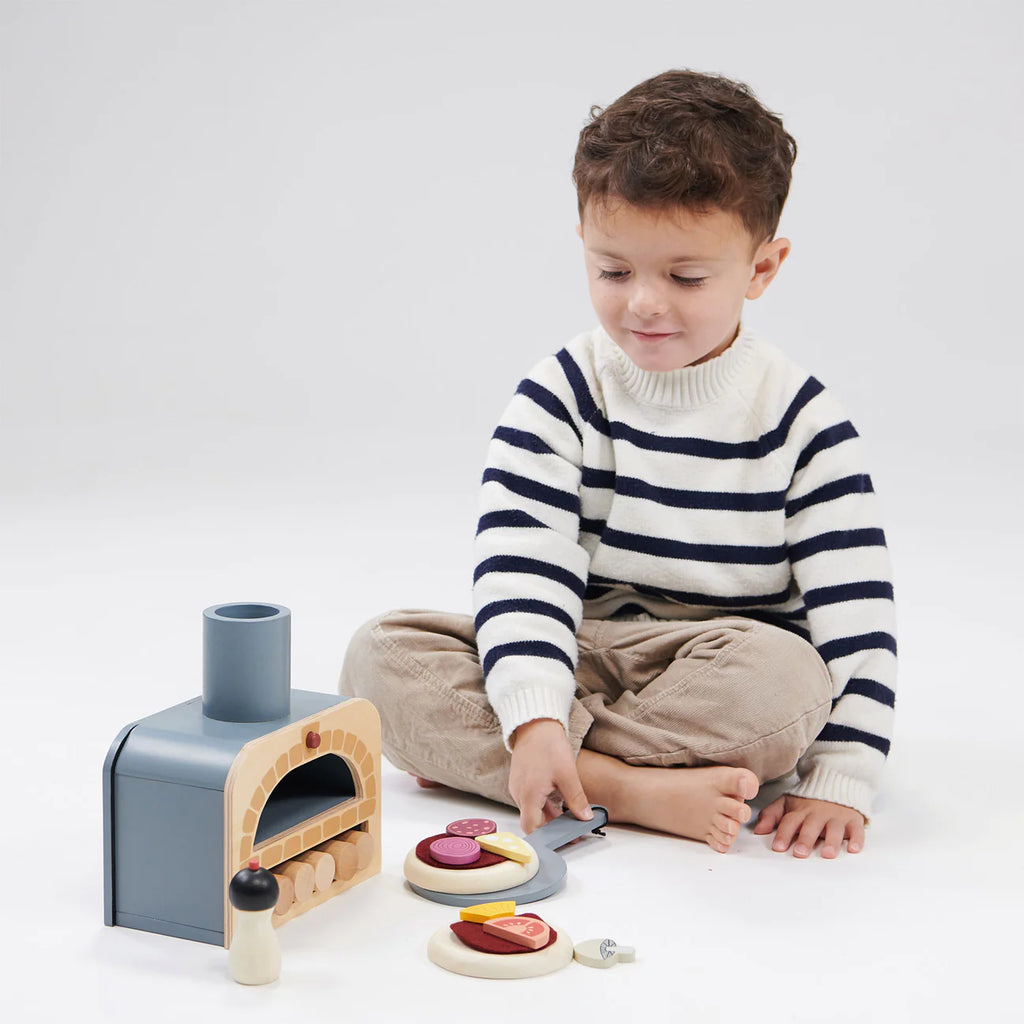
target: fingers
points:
(802, 830)
(531, 817)
(769, 817)
(787, 830)
(835, 829)
(856, 833)
(569, 785)
(811, 829)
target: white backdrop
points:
(269, 272)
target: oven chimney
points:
(247, 662)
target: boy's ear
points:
(579, 231)
(767, 260)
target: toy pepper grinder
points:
(255, 956)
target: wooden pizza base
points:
(445, 950)
(468, 881)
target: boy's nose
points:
(645, 301)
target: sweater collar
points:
(687, 387)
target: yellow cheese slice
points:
(488, 911)
(507, 845)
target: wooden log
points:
(322, 865)
(363, 842)
(286, 893)
(302, 876)
(344, 855)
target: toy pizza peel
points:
(521, 870)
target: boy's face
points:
(668, 286)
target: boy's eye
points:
(686, 282)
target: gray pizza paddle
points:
(547, 840)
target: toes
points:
(726, 825)
(736, 811)
(718, 842)
(748, 785)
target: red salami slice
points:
(473, 935)
(485, 861)
(472, 827)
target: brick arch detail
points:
(360, 808)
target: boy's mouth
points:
(649, 336)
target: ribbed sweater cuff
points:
(824, 784)
(521, 706)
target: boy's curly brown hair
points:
(688, 139)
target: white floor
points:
(101, 603)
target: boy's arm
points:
(530, 580)
(840, 563)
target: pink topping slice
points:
(455, 850)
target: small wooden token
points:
(455, 850)
(603, 953)
(507, 845)
(472, 827)
(530, 932)
(485, 911)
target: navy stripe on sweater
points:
(585, 404)
(868, 688)
(522, 604)
(731, 554)
(860, 483)
(862, 591)
(512, 517)
(526, 648)
(757, 449)
(837, 540)
(549, 402)
(527, 488)
(616, 430)
(594, 526)
(878, 641)
(533, 567)
(598, 478)
(674, 497)
(725, 501)
(523, 439)
(827, 438)
(833, 733)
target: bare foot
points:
(708, 804)
(426, 783)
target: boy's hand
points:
(807, 820)
(542, 762)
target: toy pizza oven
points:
(250, 769)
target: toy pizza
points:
(482, 944)
(471, 857)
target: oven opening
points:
(305, 792)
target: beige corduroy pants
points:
(730, 691)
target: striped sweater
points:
(734, 487)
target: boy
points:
(682, 588)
